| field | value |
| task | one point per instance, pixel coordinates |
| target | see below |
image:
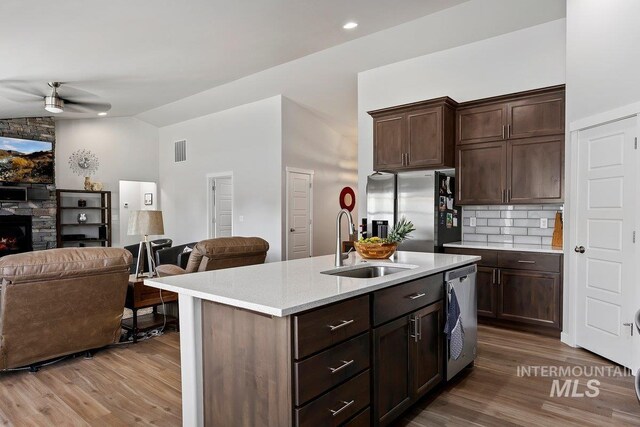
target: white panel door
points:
(299, 215)
(606, 213)
(223, 207)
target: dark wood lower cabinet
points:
(408, 361)
(530, 297)
(391, 355)
(486, 282)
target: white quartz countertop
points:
(504, 247)
(289, 287)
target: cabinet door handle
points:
(345, 363)
(526, 262)
(508, 195)
(335, 412)
(342, 324)
(415, 322)
(508, 131)
(493, 276)
(498, 275)
(416, 296)
(502, 131)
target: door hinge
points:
(310, 185)
(635, 143)
(213, 188)
(634, 237)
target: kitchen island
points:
(259, 344)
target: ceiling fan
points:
(71, 100)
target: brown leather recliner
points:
(59, 302)
(219, 253)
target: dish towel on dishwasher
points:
(453, 328)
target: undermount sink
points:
(367, 271)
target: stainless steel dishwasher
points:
(463, 282)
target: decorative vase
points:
(87, 183)
(96, 186)
(82, 218)
(82, 203)
(375, 250)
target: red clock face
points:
(347, 198)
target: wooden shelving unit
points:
(98, 211)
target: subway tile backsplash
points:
(509, 224)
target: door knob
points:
(579, 249)
(292, 230)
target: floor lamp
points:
(145, 223)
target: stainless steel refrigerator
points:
(425, 198)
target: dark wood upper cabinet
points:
(536, 116)
(388, 142)
(481, 173)
(483, 123)
(535, 170)
(414, 136)
(511, 148)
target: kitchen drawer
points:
(363, 419)
(318, 329)
(399, 300)
(489, 257)
(325, 370)
(338, 405)
(530, 261)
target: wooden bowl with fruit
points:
(379, 248)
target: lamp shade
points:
(145, 223)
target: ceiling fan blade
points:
(22, 91)
(86, 107)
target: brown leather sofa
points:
(59, 302)
(223, 252)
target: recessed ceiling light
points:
(350, 25)
(102, 114)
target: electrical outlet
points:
(241, 218)
(544, 222)
(472, 221)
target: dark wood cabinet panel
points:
(481, 172)
(399, 300)
(391, 355)
(535, 170)
(486, 280)
(388, 142)
(550, 263)
(530, 297)
(325, 370)
(363, 419)
(318, 329)
(414, 136)
(483, 123)
(428, 361)
(536, 116)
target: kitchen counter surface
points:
(288, 287)
(504, 247)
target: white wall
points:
(245, 140)
(131, 195)
(127, 149)
(309, 143)
(521, 60)
(602, 56)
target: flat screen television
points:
(26, 161)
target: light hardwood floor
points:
(140, 384)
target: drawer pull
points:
(345, 363)
(416, 296)
(526, 262)
(335, 412)
(341, 325)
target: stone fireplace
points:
(15, 234)
(41, 212)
